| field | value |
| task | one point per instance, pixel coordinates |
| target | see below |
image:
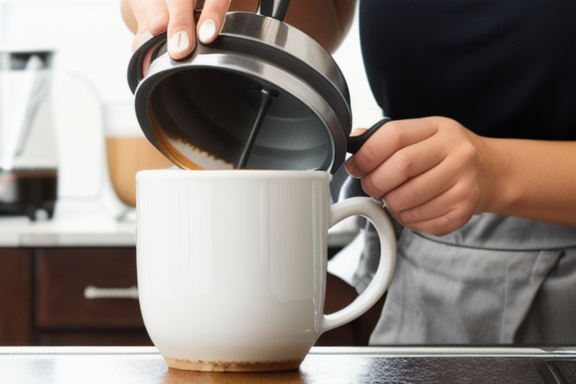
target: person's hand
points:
(177, 18)
(430, 172)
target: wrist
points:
(500, 190)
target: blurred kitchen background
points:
(93, 48)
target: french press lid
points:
(264, 95)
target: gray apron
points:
(497, 280)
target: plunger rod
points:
(264, 105)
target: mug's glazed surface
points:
(232, 265)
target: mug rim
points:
(234, 171)
(179, 173)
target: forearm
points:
(327, 21)
(533, 179)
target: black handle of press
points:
(354, 143)
(274, 8)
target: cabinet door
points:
(87, 289)
(16, 326)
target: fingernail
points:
(380, 201)
(178, 43)
(207, 31)
(351, 173)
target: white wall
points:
(365, 111)
(93, 51)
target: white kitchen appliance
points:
(28, 153)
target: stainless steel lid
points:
(263, 95)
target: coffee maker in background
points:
(28, 153)
(127, 152)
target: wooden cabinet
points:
(16, 315)
(70, 296)
(87, 297)
(73, 285)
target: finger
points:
(157, 17)
(418, 190)
(143, 16)
(212, 19)
(412, 161)
(392, 137)
(140, 39)
(455, 168)
(181, 37)
(440, 215)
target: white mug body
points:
(232, 266)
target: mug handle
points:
(364, 206)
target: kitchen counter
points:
(86, 224)
(330, 365)
(75, 224)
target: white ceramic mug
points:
(232, 265)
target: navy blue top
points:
(502, 68)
